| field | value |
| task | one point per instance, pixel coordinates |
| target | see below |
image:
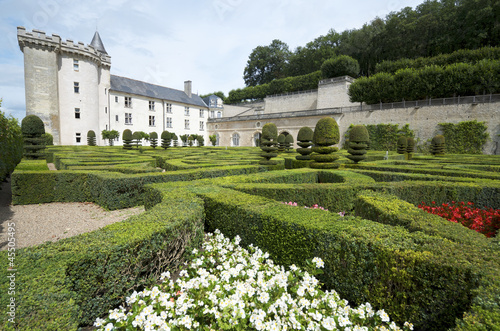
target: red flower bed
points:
(483, 221)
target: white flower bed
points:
(226, 287)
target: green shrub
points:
(11, 145)
(49, 139)
(402, 145)
(467, 137)
(127, 138)
(281, 142)
(91, 140)
(304, 140)
(438, 145)
(137, 137)
(289, 143)
(166, 139)
(340, 66)
(32, 128)
(326, 134)
(358, 139)
(213, 139)
(110, 135)
(267, 144)
(153, 136)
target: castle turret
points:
(66, 82)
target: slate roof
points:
(132, 86)
(97, 43)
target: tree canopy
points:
(266, 63)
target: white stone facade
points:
(70, 87)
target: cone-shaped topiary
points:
(326, 134)
(127, 139)
(281, 142)
(402, 145)
(91, 138)
(438, 145)
(153, 138)
(32, 128)
(166, 139)
(268, 140)
(304, 138)
(137, 137)
(358, 138)
(289, 143)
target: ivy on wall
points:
(466, 137)
(383, 137)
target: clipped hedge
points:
(68, 284)
(364, 261)
(11, 145)
(467, 137)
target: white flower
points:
(264, 297)
(99, 322)
(383, 316)
(319, 262)
(109, 327)
(329, 323)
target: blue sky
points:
(167, 42)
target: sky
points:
(167, 42)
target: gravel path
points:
(35, 224)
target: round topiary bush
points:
(166, 139)
(49, 139)
(153, 138)
(289, 143)
(358, 139)
(438, 146)
(175, 139)
(342, 65)
(402, 145)
(32, 128)
(325, 134)
(281, 142)
(91, 139)
(127, 139)
(304, 140)
(137, 137)
(268, 140)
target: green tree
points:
(110, 135)
(127, 139)
(340, 66)
(166, 139)
(153, 136)
(11, 144)
(266, 63)
(220, 94)
(213, 139)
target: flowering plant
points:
(315, 206)
(483, 221)
(226, 287)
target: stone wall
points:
(291, 102)
(333, 92)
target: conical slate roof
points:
(97, 43)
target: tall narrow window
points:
(151, 105)
(77, 112)
(236, 139)
(76, 87)
(116, 99)
(186, 111)
(169, 122)
(169, 108)
(219, 114)
(78, 137)
(202, 113)
(76, 65)
(128, 118)
(212, 114)
(105, 110)
(202, 125)
(128, 102)
(186, 124)
(116, 118)
(151, 121)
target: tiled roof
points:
(97, 43)
(132, 86)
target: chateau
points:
(69, 86)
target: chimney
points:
(187, 88)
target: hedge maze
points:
(417, 266)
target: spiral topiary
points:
(304, 138)
(137, 137)
(281, 142)
(410, 147)
(438, 146)
(402, 145)
(91, 138)
(358, 138)
(268, 140)
(289, 143)
(127, 139)
(175, 139)
(326, 134)
(153, 138)
(166, 139)
(32, 128)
